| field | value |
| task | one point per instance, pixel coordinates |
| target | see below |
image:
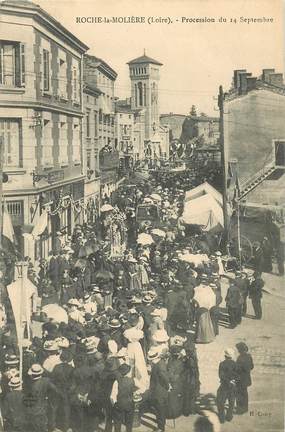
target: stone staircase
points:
(250, 184)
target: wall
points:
(175, 122)
(251, 123)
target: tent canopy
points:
(204, 189)
(204, 211)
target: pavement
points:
(265, 339)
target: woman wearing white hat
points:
(136, 358)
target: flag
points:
(41, 225)
(236, 191)
(22, 295)
(8, 230)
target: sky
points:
(196, 57)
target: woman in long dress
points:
(136, 358)
(205, 299)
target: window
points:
(76, 141)
(46, 74)
(100, 115)
(62, 75)
(95, 124)
(47, 143)
(15, 210)
(10, 130)
(12, 64)
(75, 84)
(88, 124)
(140, 93)
(88, 158)
(280, 153)
(63, 156)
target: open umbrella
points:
(106, 208)
(156, 197)
(104, 275)
(158, 232)
(145, 239)
(56, 312)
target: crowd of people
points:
(117, 333)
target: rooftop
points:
(144, 59)
(99, 63)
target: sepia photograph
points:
(142, 215)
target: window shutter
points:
(23, 65)
(1, 64)
(17, 66)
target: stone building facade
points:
(40, 123)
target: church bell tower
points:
(144, 75)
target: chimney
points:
(276, 79)
(266, 73)
(251, 83)
(243, 77)
(237, 72)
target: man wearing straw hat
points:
(13, 409)
(40, 390)
(159, 387)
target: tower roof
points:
(144, 59)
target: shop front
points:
(61, 208)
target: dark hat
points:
(66, 356)
(124, 369)
(88, 317)
(175, 349)
(111, 364)
(241, 347)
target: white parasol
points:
(158, 232)
(57, 313)
(145, 239)
(205, 296)
(106, 208)
(148, 200)
(196, 259)
(156, 197)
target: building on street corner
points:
(40, 122)
(99, 74)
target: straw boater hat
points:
(147, 299)
(229, 353)
(15, 382)
(51, 345)
(114, 323)
(35, 371)
(11, 360)
(153, 354)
